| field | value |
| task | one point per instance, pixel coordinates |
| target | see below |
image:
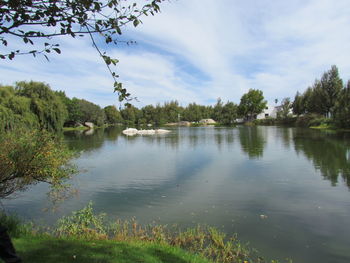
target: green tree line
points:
(327, 97)
(35, 105)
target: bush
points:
(15, 227)
(307, 119)
(31, 157)
(267, 121)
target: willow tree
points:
(44, 103)
(15, 110)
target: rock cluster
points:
(133, 131)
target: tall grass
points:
(203, 240)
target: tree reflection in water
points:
(252, 141)
(329, 152)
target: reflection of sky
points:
(204, 175)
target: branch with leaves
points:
(30, 20)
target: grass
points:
(87, 237)
(323, 126)
(80, 128)
(51, 250)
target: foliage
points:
(321, 97)
(228, 114)
(193, 112)
(15, 110)
(331, 84)
(307, 120)
(74, 113)
(83, 224)
(252, 103)
(14, 225)
(34, 21)
(29, 157)
(113, 116)
(203, 240)
(130, 115)
(342, 108)
(172, 111)
(266, 121)
(44, 103)
(284, 112)
(91, 112)
(298, 105)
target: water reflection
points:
(328, 152)
(252, 141)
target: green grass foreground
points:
(58, 250)
(87, 237)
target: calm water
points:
(226, 177)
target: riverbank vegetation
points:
(87, 237)
(325, 104)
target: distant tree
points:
(312, 99)
(44, 103)
(298, 105)
(193, 112)
(113, 116)
(172, 110)
(252, 103)
(286, 106)
(160, 117)
(91, 112)
(331, 84)
(217, 110)
(130, 115)
(228, 113)
(15, 111)
(148, 113)
(342, 108)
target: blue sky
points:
(199, 50)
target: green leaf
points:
(136, 22)
(58, 51)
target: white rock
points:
(130, 131)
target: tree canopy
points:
(321, 97)
(252, 103)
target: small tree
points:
(252, 103)
(30, 157)
(286, 105)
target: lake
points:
(283, 190)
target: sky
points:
(200, 50)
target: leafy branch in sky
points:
(32, 20)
